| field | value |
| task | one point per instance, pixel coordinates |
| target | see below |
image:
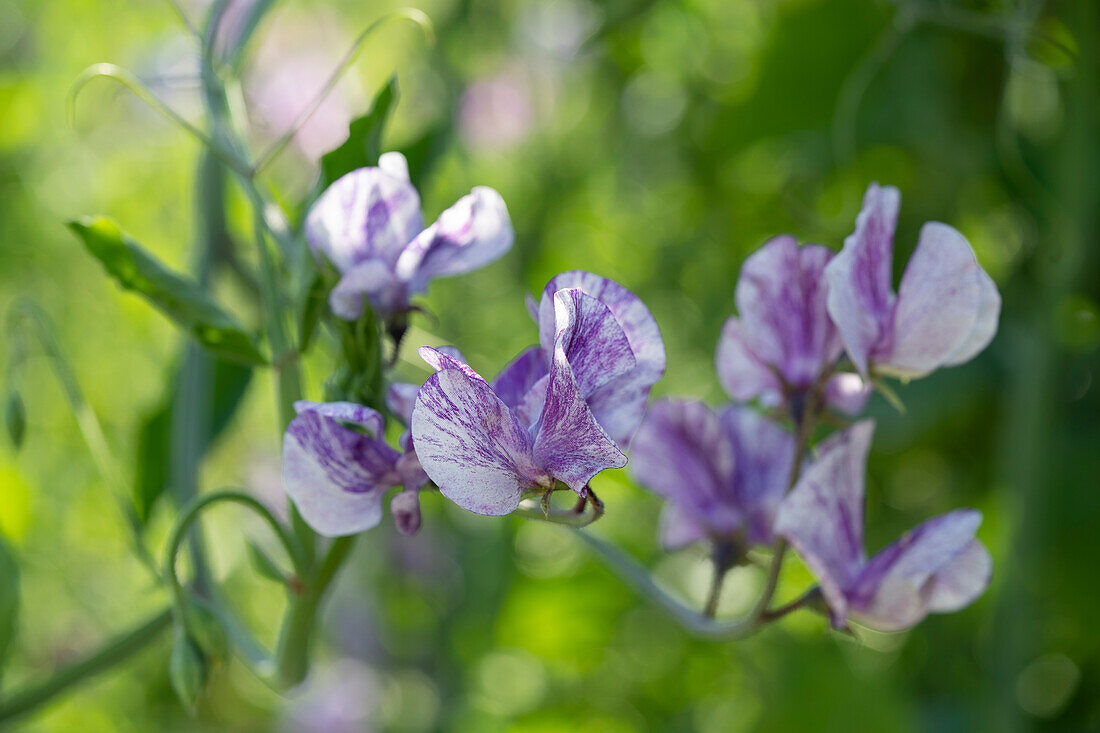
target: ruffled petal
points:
(742, 374)
(334, 475)
(471, 445)
(822, 517)
(781, 300)
(896, 588)
(847, 392)
(593, 341)
(371, 279)
(516, 380)
(762, 456)
(367, 214)
(682, 453)
(938, 304)
(467, 236)
(859, 278)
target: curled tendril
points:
(577, 517)
(134, 85)
(411, 14)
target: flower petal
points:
(467, 236)
(593, 341)
(962, 580)
(682, 453)
(369, 213)
(347, 412)
(822, 516)
(336, 476)
(471, 445)
(370, 278)
(781, 300)
(762, 456)
(400, 399)
(859, 278)
(447, 357)
(847, 392)
(742, 374)
(985, 327)
(939, 301)
(677, 529)
(570, 444)
(895, 589)
(516, 380)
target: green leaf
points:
(154, 442)
(9, 599)
(424, 152)
(179, 298)
(311, 306)
(187, 669)
(364, 143)
(264, 565)
(15, 418)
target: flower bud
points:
(405, 508)
(15, 418)
(187, 669)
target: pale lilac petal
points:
(822, 517)
(743, 376)
(532, 307)
(894, 589)
(447, 357)
(847, 392)
(348, 412)
(471, 445)
(781, 300)
(682, 453)
(860, 277)
(370, 278)
(570, 445)
(938, 303)
(961, 581)
(529, 410)
(395, 164)
(367, 214)
(409, 470)
(400, 399)
(335, 476)
(678, 529)
(405, 509)
(516, 380)
(467, 236)
(762, 456)
(619, 407)
(593, 341)
(985, 327)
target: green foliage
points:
(177, 297)
(15, 418)
(364, 143)
(264, 565)
(9, 600)
(187, 669)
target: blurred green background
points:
(657, 143)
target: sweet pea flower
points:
(368, 225)
(486, 450)
(946, 308)
(337, 467)
(782, 341)
(938, 567)
(723, 475)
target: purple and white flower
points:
(946, 308)
(368, 225)
(722, 474)
(782, 341)
(337, 467)
(938, 567)
(487, 447)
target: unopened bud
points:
(405, 508)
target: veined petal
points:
(682, 453)
(569, 444)
(519, 376)
(471, 445)
(742, 374)
(593, 341)
(447, 357)
(529, 410)
(347, 412)
(859, 278)
(467, 236)
(678, 529)
(369, 213)
(985, 327)
(895, 589)
(371, 279)
(336, 476)
(762, 456)
(781, 300)
(847, 392)
(822, 517)
(938, 304)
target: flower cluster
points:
(814, 332)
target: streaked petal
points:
(847, 392)
(985, 327)
(447, 357)
(742, 374)
(939, 301)
(334, 475)
(781, 301)
(369, 213)
(529, 410)
(594, 343)
(682, 453)
(895, 589)
(471, 445)
(822, 517)
(349, 412)
(519, 376)
(467, 236)
(860, 277)
(762, 456)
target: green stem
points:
(117, 650)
